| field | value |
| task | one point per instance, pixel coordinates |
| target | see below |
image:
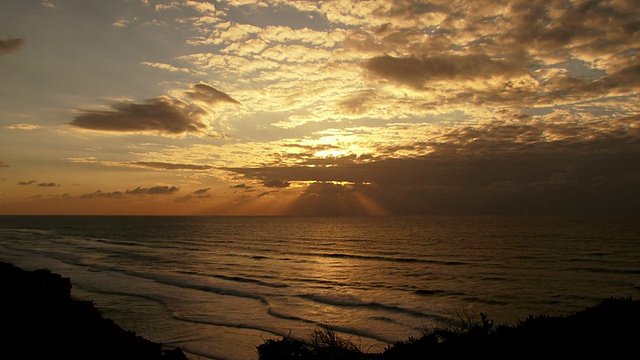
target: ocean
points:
(220, 286)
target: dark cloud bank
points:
(495, 169)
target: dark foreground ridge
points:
(40, 320)
(609, 330)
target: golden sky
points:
(248, 107)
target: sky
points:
(255, 107)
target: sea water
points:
(218, 287)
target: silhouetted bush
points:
(610, 329)
(323, 343)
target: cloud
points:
(357, 104)
(416, 72)
(210, 95)
(29, 182)
(196, 195)
(50, 184)
(48, 4)
(122, 23)
(593, 26)
(170, 166)
(167, 67)
(41, 184)
(100, 194)
(160, 115)
(154, 190)
(241, 186)
(23, 127)
(10, 45)
(265, 193)
(202, 7)
(276, 183)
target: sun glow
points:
(331, 153)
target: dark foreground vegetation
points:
(609, 330)
(40, 320)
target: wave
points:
(426, 292)
(354, 302)
(342, 329)
(385, 258)
(249, 280)
(485, 301)
(203, 320)
(608, 271)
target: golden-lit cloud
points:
(23, 127)
(168, 166)
(377, 107)
(167, 67)
(210, 95)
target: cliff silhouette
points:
(39, 319)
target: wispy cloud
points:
(48, 4)
(170, 166)
(196, 195)
(27, 182)
(241, 186)
(48, 184)
(167, 67)
(41, 184)
(154, 190)
(210, 95)
(276, 183)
